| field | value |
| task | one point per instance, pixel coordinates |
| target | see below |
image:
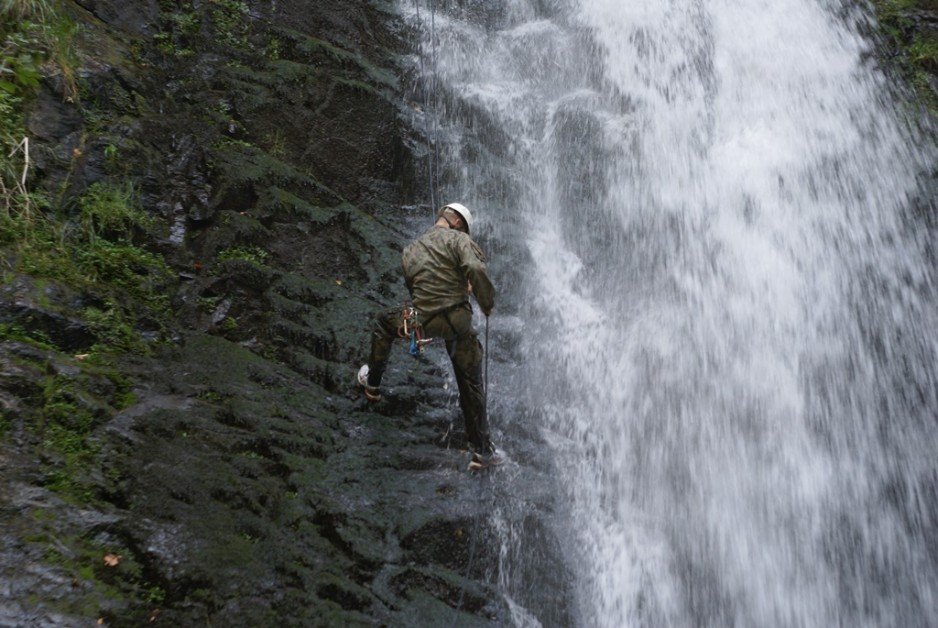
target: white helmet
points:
(462, 210)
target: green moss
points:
(289, 204)
(155, 595)
(87, 245)
(181, 25)
(97, 258)
(114, 329)
(82, 560)
(229, 324)
(35, 337)
(61, 417)
(110, 211)
(357, 85)
(313, 47)
(230, 18)
(916, 54)
(64, 423)
(132, 270)
(924, 53)
(34, 33)
(252, 254)
(272, 50)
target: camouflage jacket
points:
(437, 267)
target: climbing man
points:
(442, 268)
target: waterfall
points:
(719, 269)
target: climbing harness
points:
(412, 330)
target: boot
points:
(371, 392)
(480, 461)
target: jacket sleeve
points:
(472, 263)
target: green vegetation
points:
(923, 53)
(92, 252)
(182, 27)
(33, 32)
(17, 333)
(252, 254)
(84, 246)
(110, 211)
(182, 23)
(916, 49)
(97, 257)
(110, 568)
(65, 424)
(231, 24)
(64, 412)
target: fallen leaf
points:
(338, 282)
(76, 153)
(81, 357)
(100, 621)
(154, 615)
(197, 266)
(112, 560)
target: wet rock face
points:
(230, 466)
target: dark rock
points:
(137, 18)
(51, 119)
(68, 333)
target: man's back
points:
(437, 266)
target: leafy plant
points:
(113, 328)
(230, 19)
(924, 53)
(915, 53)
(65, 424)
(98, 257)
(252, 254)
(111, 211)
(18, 333)
(32, 32)
(20, 9)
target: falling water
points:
(721, 264)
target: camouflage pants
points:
(465, 352)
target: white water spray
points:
(731, 312)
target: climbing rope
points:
(410, 323)
(428, 80)
(434, 156)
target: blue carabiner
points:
(414, 347)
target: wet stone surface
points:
(227, 465)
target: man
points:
(441, 268)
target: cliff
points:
(212, 212)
